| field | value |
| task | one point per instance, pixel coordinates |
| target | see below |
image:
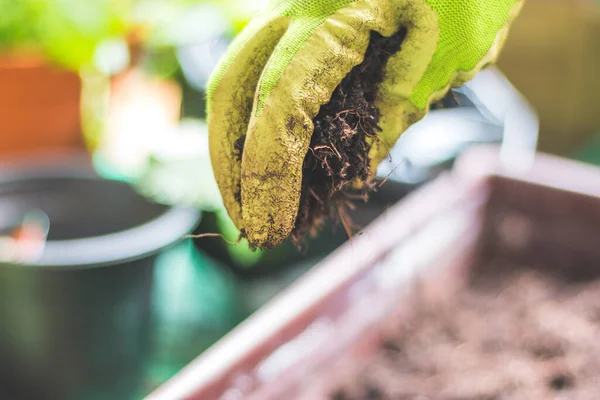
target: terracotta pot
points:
(39, 106)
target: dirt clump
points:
(339, 148)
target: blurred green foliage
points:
(69, 32)
(12, 29)
(66, 31)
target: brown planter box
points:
(549, 215)
(39, 106)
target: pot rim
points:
(102, 250)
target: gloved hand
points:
(274, 89)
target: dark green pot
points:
(75, 323)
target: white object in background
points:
(495, 96)
(491, 111)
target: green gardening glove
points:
(327, 87)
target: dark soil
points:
(531, 339)
(238, 147)
(338, 154)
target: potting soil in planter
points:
(530, 338)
